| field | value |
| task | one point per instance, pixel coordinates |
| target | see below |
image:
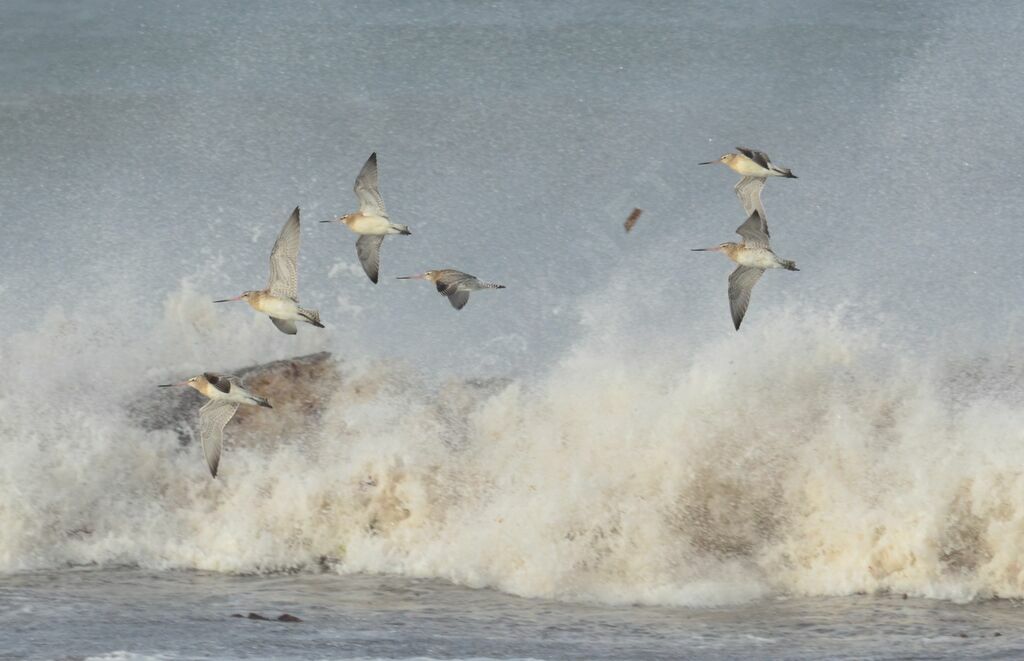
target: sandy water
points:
(187, 615)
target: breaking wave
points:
(715, 474)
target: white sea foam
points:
(716, 474)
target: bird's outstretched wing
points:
(212, 418)
(456, 285)
(368, 249)
(450, 279)
(284, 271)
(368, 190)
(224, 382)
(748, 190)
(758, 157)
(741, 282)
(286, 326)
(754, 231)
(458, 299)
(221, 382)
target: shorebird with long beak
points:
(456, 285)
(371, 222)
(755, 167)
(226, 394)
(280, 300)
(754, 256)
(752, 163)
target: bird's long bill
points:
(228, 300)
(171, 385)
(329, 221)
(421, 276)
(708, 163)
(711, 249)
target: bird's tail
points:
(398, 229)
(311, 317)
(789, 265)
(786, 172)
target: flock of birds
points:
(280, 299)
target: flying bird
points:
(752, 163)
(753, 256)
(456, 285)
(371, 222)
(226, 394)
(755, 166)
(280, 300)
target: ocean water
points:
(590, 463)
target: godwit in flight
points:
(754, 256)
(280, 300)
(754, 166)
(371, 221)
(456, 285)
(226, 393)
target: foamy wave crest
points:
(718, 473)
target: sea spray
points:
(721, 473)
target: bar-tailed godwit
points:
(456, 285)
(752, 163)
(226, 393)
(755, 167)
(280, 300)
(753, 256)
(371, 222)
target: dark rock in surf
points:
(299, 387)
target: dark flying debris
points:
(633, 217)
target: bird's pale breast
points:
(282, 308)
(747, 167)
(369, 225)
(757, 257)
